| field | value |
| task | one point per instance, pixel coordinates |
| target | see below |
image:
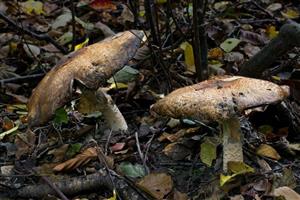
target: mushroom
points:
(222, 99)
(91, 67)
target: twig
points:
(44, 37)
(73, 25)
(55, 188)
(149, 8)
(21, 78)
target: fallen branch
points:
(92, 182)
(289, 37)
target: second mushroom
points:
(223, 99)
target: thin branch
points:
(44, 37)
(73, 25)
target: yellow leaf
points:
(236, 168)
(215, 53)
(31, 6)
(188, 56)
(81, 45)
(267, 151)
(114, 197)
(239, 168)
(118, 86)
(271, 32)
(160, 1)
(290, 13)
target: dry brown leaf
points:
(179, 134)
(91, 66)
(157, 185)
(267, 151)
(180, 196)
(25, 143)
(80, 160)
(176, 151)
(287, 193)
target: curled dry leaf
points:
(80, 160)
(91, 66)
(158, 185)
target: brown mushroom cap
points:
(220, 98)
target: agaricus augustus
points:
(90, 67)
(223, 99)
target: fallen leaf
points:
(102, 5)
(32, 50)
(274, 7)
(229, 44)
(287, 193)
(59, 153)
(126, 15)
(61, 116)
(32, 7)
(118, 146)
(80, 160)
(81, 45)
(125, 75)
(271, 32)
(253, 38)
(235, 169)
(158, 185)
(221, 6)
(208, 150)
(25, 143)
(180, 196)
(290, 13)
(114, 197)
(267, 151)
(188, 56)
(10, 131)
(62, 19)
(133, 171)
(251, 50)
(179, 134)
(215, 53)
(7, 124)
(176, 151)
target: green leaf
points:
(61, 116)
(208, 152)
(65, 38)
(63, 19)
(125, 75)
(229, 44)
(131, 170)
(73, 150)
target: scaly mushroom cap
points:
(220, 98)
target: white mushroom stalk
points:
(232, 145)
(110, 111)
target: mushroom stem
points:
(232, 146)
(110, 111)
